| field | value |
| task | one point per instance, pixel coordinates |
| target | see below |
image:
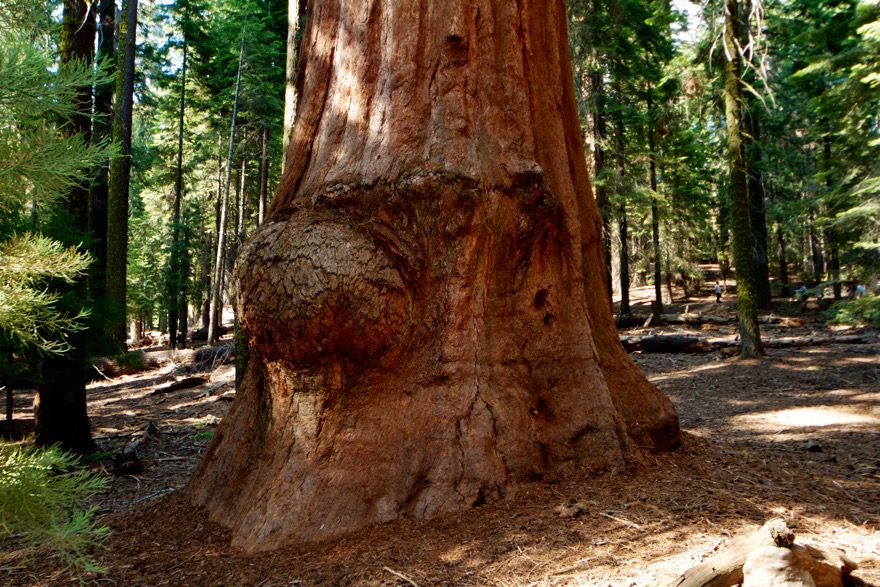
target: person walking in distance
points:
(717, 293)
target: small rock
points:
(813, 446)
(127, 463)
(569, 511)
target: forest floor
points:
(795, 434)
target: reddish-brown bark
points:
(426, 302)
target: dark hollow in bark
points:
(425, 304)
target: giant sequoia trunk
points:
(426, 303)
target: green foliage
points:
(38, 167)
(28, 314)
(37, 164)
(860, 311)
(204, 27)
(39, 495)
(132, 360)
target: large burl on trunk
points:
(426, 304)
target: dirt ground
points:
(795, 434)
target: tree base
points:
(397, 377)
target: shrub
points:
(40, 491)
(864, 310)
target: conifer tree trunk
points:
(77, 44)
(758, 217)
(217, 291)
(426, 303)
(817, 255)
(600, 134)
(102, 129)
(657, 305)
(830, 237)
(621, 219)
(783, 262)
(624, 260)
(60, 411)
(120, 172)
(740, 220)
(753, 153)
(264, 176)
(175, 299)
(241, 232)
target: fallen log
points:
(201, 335)
(185, 383)
(766, 555)
(676, 343)
(630, 320)
(667, 343)
(797, 342)
(725, 569)
(683, 318)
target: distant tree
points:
(120, 171)
(177, 316)
(217, 291)
(746, 280)
(102, 129)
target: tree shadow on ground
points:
(745, 458)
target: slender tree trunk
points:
(753, 155)
(834, 268)
(264, 175)
(621, 219)
(669, 291)
(758, 216)
(241, 233)
(174, 295)
(426, 304)
(830, 236)
(747, 307)
(218, 202)
(10, 404)
(120, 173)
(657, 305)
(624, 260)
(783, 262)
(600, 134)
(60, 411)
(216, 294)
(234, 212)
(102, 129)
(206, 283)
(816, 253)
(183, 296)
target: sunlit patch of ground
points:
(791, 423)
